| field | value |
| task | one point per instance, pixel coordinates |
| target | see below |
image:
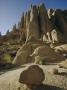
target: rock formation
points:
(43, 18)
(37, 22)
(32, 76)
(33, 27)
(62, 25)
(39, 38)
(38, 25)
(23, 54)
(47, 54)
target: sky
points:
(11, 10)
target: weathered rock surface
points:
(48, 54)
(43, 18)
(33, 26)
(36, 32)
(32, 76)
(23, 54)
(62, 25)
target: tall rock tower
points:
(33, 26)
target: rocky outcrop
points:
(23, 54)
(62, 25)
(37, 26)
(57, 18)
(38, 22)
(40, 35)
(45, 24)
(33, 27)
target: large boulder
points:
(48, 54)
(32, 76)
(22, 55)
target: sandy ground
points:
(9, 80)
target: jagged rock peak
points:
(43, 19)
(33, 13)
(33, 26)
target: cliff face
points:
(39, 22)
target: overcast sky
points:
(11, 10)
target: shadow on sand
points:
(46, 87)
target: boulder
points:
(48, 53)
(23, 54)
(32, 76)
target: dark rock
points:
(33, 76)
